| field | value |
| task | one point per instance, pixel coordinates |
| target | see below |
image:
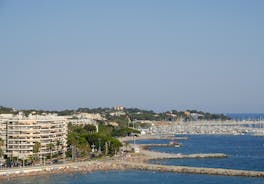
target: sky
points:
(153, 54)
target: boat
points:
(175, 144)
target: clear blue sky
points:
(160, 55)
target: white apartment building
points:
(21, 133)
(83, 122)
(93, 116)
(3, 119)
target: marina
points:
(255, 128)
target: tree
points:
(1, 144)
(109, 144)
(77, 139)
(106, 129)
(90, 128)
(81, 139)
(125, 132)
(115, 145)
(50, 147)
(36, 149)
(58, 144)
(83, 148)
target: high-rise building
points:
(21, 135)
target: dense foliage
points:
(124, 132)
(84, 138)
(6, 110)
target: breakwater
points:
(130, 161)
(159, 145)
(194, 170)
(152, 155)
(86, 167)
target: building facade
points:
(21, 134)
(83, 122)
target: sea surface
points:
(246, 116)
(245, 152)
(134, 177)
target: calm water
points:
(137, 177)
(245, 152)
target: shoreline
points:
(119, 165)
(72, 168)
(128, 161)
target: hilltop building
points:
(119, 108)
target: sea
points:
(244, 152)
(246, 116)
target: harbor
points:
(133, 161)
(255, 128)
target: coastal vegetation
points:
(84, 140)
(6, 110)
(129, 114)
(125, 132)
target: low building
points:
(118, 113)
(83, 122)
(112, 123)
(93, 116)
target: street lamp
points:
(99, 149)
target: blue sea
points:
(245, 152)
(134, 177)
(246, 116)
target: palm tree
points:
(59, 147)
(51, 147)
(1, 144)
(36, 149)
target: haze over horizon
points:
(158, 55)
